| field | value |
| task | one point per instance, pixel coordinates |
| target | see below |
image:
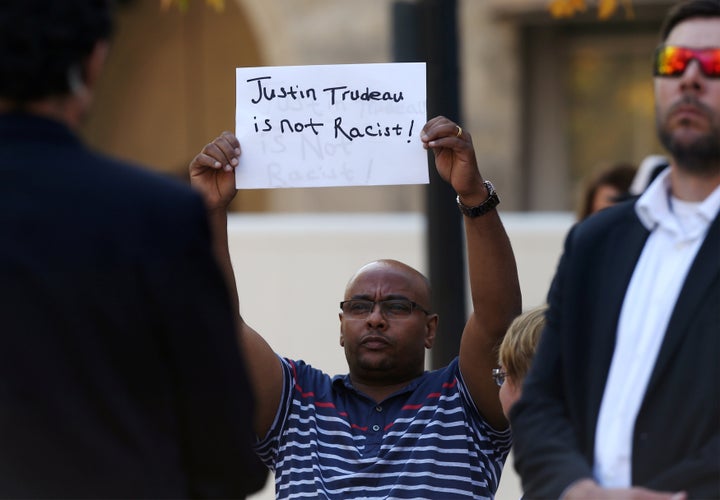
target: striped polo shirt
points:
(425, 441)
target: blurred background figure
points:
(515, 354)
(605, 188)
(120, 370)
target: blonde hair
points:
(518, 346)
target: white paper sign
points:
(331, 125)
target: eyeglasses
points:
(671, 60)
(499, 375)
(392, 308)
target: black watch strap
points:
(484, 207)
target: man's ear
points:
(82, 80)
(431, 327)
(342, 340)
(94, 64)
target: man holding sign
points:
(388, 428)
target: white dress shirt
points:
(678, 229)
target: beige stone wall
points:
(169, 85)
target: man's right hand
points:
(212, 171)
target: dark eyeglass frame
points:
(673, 60)
(499, 375)
(385, 308)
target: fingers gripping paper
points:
(331, 125)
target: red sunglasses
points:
(671, 60)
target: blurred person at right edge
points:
(623, 397)
(606, 187)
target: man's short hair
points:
(686, 10)
(43, 43)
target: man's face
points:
(380, 348)
(509, 394)
(688, 106)
(605, 196)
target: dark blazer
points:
(120, 373)
(677, 433)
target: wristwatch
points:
(484, 207)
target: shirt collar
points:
(343, 382)
(653, 207)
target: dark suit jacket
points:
(120, 374)
(677, 432)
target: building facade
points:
(546, 100)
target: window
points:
(588, 97)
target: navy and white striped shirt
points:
(425, 441)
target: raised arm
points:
(493, 274)
(212, 172)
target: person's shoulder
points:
(313, 381)
(300, 369)
(599, 224)
(141, 179)
(613, 213)
(133, 190)
(447, 375)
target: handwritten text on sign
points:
(334, 125)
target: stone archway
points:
(169, 85)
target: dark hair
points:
(42, 42)
(686, 10)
